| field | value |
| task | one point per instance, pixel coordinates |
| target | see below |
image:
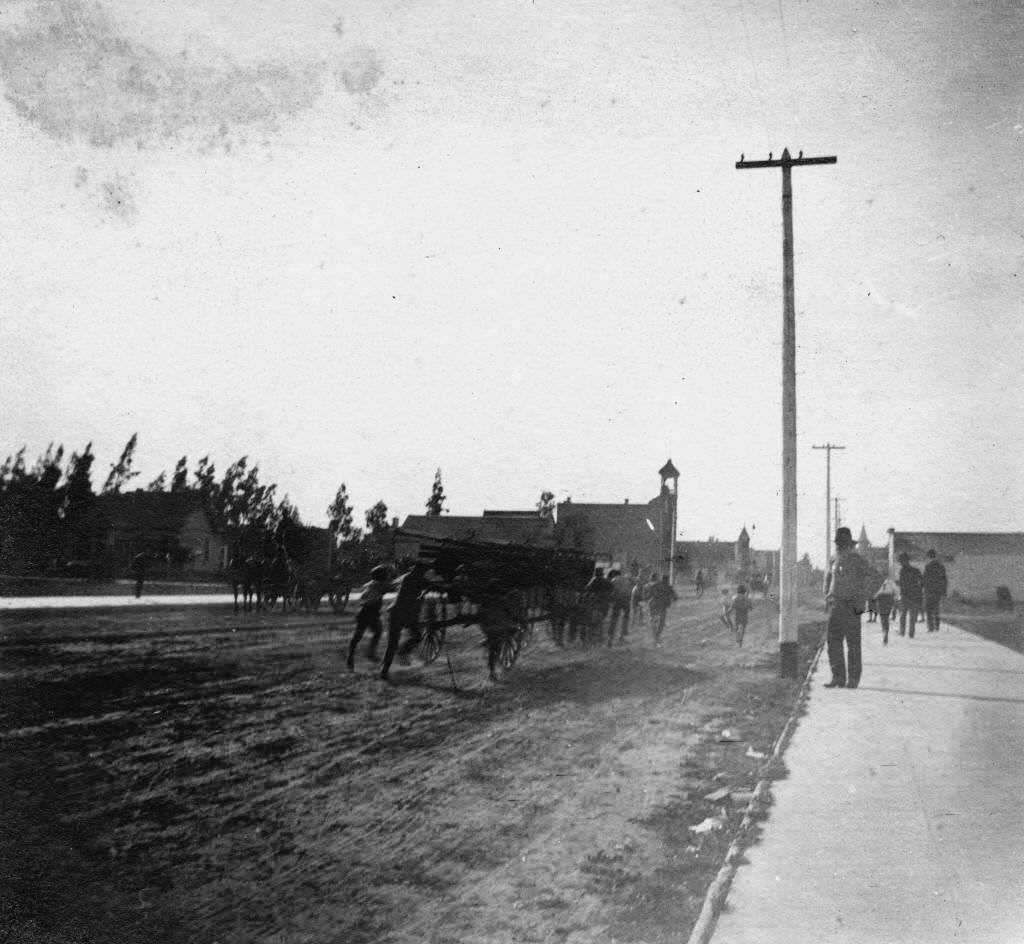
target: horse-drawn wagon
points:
(505, 589)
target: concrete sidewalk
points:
(901, 820)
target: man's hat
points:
(931, 553)
(843, 536)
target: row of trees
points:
(47, 508)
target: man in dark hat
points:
(910, 595)
(934, 584)
(846, 590)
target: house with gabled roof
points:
(173, 525)
(976, 563)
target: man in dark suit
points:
(846, 590)
(910, 595)
(934, 585)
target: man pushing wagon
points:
(405, 614)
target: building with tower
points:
(625, 535)
(729, 561)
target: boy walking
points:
(885, 603)
(726, 615)
(741, 606)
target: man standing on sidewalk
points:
(935, 584)
(910, 594)
(846, 590)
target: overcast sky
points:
(358, 241)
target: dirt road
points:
(191, 775)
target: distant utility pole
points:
(788, 635)
(828, 447)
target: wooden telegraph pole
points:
(788, 644)
(828, 447)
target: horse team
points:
(260, 580)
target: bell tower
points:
(743, 556)
(669, 498)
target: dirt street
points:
(191, 775)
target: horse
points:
(245, 573)
(280, 581)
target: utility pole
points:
(828, 447)
(788, 635)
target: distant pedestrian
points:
(934, 584)
(846, 590)
(598, 597)
(885, 604)
(371, 600)
(139, 568)
(622, 591)
(662, 597)
(740, 605)
(698, 583)
(405, 614)
(911, 595)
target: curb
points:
(714, 898)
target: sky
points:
(360, 241)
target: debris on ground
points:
(707, 825)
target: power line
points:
(828, 500)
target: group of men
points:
(913, 594)
(404, 614)
(610, 604)
(620, 597)
(851, 582)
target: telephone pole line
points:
(788, 645)
(828, 447)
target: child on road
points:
(740, 607)
(726, 615)
(885, 605)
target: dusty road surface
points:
(195, 776)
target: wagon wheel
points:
(508, 648)
(433, 640)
